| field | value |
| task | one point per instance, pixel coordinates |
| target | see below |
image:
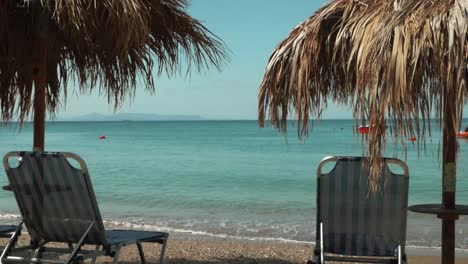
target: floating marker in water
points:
(363, 129)
(412, 139)
(102, 137)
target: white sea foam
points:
(152, 227)
(189, 229)
(9, 216)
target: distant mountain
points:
(132, 117)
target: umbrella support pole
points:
(448, 239)
(448, 223)
(39, 111)
(449, 177)
(39, 73)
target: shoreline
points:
(180, 234)
(411, 250)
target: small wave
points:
(8, 216)
(151, 227)
(200, 233)
(464, 250)
(417, 244)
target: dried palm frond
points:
(107, 45)
(388, 60)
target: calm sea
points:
(226, 178)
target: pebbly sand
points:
(199, 250)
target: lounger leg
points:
(404, 260)
(93, 260)
(322, 256)
(163, 250)
(315, 259)
(38, 252)
(116, 256)
(317, 255)
(78, 245)
(401, 256)
(142, 254)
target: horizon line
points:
(167, 120)
(202, 119)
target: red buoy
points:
(363, 129)
(412, 139)
(102, 137)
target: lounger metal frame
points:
(319, 255)
(75, 251)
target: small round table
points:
(440, 211)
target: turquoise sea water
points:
(226, 178)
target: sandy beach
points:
(184, 249)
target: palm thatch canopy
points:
(390, 61)
(107, 45)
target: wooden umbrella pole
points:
(39, 70)
(449, 178)
(39, 77)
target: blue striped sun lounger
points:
(58, 204)
(355, 224)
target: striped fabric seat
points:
(354, 223)
(57, 203)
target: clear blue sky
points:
(251, 29)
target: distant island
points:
(129, 117)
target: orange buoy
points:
(412, 139)
(462, 134)
(102, 137)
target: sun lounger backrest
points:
(355, 220)
(56, 200)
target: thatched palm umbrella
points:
(397, 61)
(108, 45)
